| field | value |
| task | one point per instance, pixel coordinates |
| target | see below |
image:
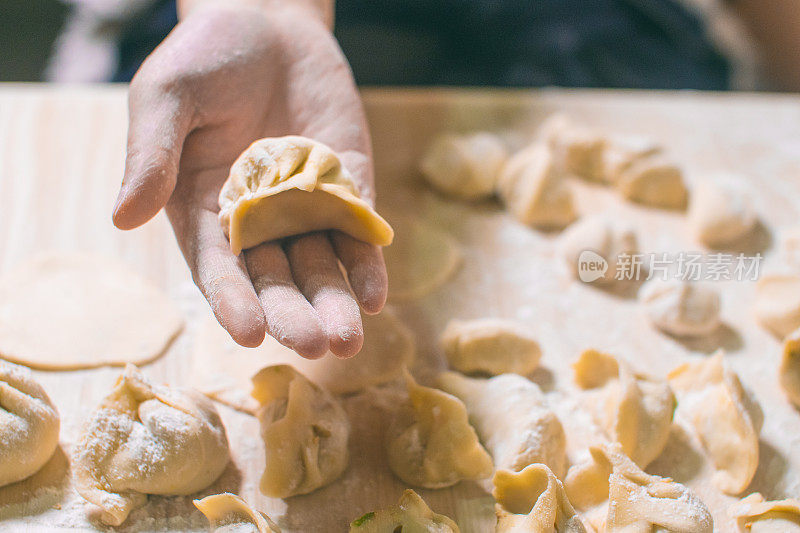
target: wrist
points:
(323, 10)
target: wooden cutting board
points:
(61, 160)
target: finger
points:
(221, 276)
(316, 272)
(290, 318)
(159, 122)
(365, 269)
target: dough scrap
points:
(681, 308)
(756, 515)
(618, 497)
(512, 420)
(533, 190)
(420, 260)
(29, 424)
(411, 515)
(63, 311)
(578, 150)
(222, 369)
(655, 182)
(490, 345)
(284, 186)
(721, 211)
(777, 304)
(147, 439)
(430, 442)
(305, 431)
(622, 152)
(712, 400)
(635, 410)
(229, 513)
(464, 166)
(533, 501)
(598, 238)
(790, 368)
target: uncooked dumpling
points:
(721, 211)
(777, 304)
(410, 515)
(618, 497)
(512, 420)
(622, 152)
(63, 311)
(228, 513)
(490, 345)
(596, 247)
(533, 501)
(148, 439)
(681, 308)
(222, 369)
(430, 442)
(754, 514)
(655, 182)
(790, 368)
(533, 190)
(578, 150)
(29, 424)
(635, 410)
(420, 260)
(305, 432)
(284, 186)
(711, 399)
(464, 166)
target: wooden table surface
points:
(61, 160)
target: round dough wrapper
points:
(777, 304)
(421, 259)
(223, 369)
(65, 311)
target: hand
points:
(226, 76)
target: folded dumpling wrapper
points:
(756, 515)
(411, 514)
(229, 512)
(284, 186)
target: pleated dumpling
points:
(305, 432)
(284, 186)
(229, 513)
(411, 514)
(617, 496)
(533, 501)
(756, 515)
(512, 419)
(712, 400)
(635, 410)
(29, 424)
(430, 442)
(148, 439)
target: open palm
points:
(222, 79)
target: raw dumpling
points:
(635, 410)
(655, 182)
(533, 501)
(512, 420)
(290, 185)
(29, 424)
(229, 513)
(464, 166)
(778, 303)
(490, 345)
(618, 497)
(578, 150)
(598, 241)
(790, 368)
(148, 439)
(711, 399)
(534, 192)
(621, 152)
(721, 211)
(756, 515)
(681, 308)
(431, 443)
(410, 515)
(305, 432)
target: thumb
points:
(159, 122)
